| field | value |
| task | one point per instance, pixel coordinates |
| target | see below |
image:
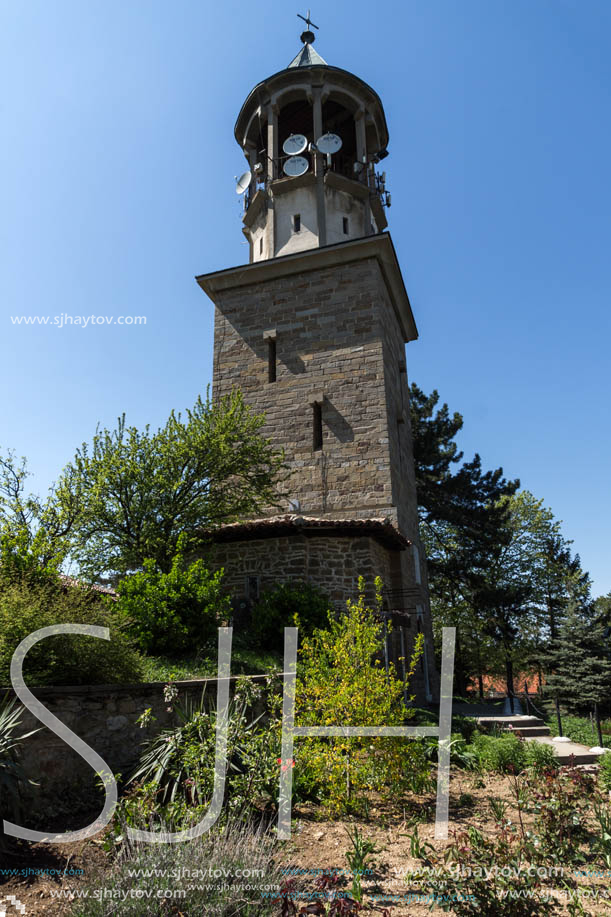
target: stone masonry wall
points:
(329, 341)
(104, 716)
(333, 563)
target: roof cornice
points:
(379, 246)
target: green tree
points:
(138, 491)
(461, 513)
(461, 522)
(603, 608)
(582, 662)
(64, 659)
(509, 608)
(34, 532)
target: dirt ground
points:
(316, 845)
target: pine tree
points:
(582, 662)
(461, 514)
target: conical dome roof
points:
(307, 57)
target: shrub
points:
(297, 604)
(465, 725)
(64, 659)
(540, 757)
(141, 878)
(507, 753)
(176, 611)
(561, 803)
(604, 775)
(469, 892)
(341, 682)
(503, 754)
(502, 874)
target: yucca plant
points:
(12, 774)
(179, 763)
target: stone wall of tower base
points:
(335, 565)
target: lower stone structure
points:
(331, 554)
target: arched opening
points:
(337, 119)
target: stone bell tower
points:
(313, 332)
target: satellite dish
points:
(243, 182)
(295, 144)
(296, 165)
(329, 143)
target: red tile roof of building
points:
(381, 529)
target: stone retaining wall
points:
(103, 716)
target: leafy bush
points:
(341, 682)
(296, 604)
(462, 754)
(540, 757)
(604, 775)
(506, 753)
(503, 754)
(469, 892)
(244, 661)
(561, 803)
(465, 725)
(64, 659)
(141, 878)
(176, 611)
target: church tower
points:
(313, 331)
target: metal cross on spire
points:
(309, 23)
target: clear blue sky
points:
(116, 188)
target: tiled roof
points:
(276, 526)
(307, 57)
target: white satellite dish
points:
(295, 144)
(329, 143)
(295, 166)
(243, 182)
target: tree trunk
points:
(509, 673)
(557, 703)
(459, 667)
(480, 675)
(598, 725)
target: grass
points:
(244, 661)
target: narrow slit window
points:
(271, 359)
(297, 222)
(345, 222)
(400, 440)
(317, 419)
(261, 245)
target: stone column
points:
(320, 178)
